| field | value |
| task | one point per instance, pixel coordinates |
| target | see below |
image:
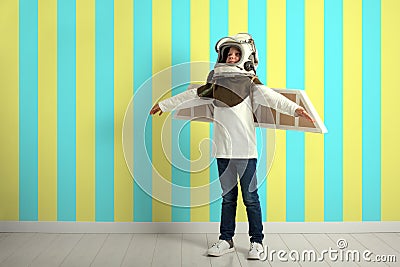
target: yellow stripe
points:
(352, 104)
(276, 73)
(9, 120)
(123, 89)
(85, 110)
(237, 17)
(271, 146)
(199, 51)
(390, 94)
(238, 9)
(314, 84)
(47, 111)
(161, 124)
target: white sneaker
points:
(256, 249)
(220, 248)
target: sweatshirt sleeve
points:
(184, 99)
(265, 96)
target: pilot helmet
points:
(245, 44)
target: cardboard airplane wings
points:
(266, 117)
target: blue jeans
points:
(229, 169)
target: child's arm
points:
(171, 103)
(267, 97)
(186, 99)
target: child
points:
(234, 89)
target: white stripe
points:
(195, 227)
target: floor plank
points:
(85, 250)
(375, 245)
(321, 242)
(57, 251)
(391, 239)
(3, 235)
(242, 245)
(140, 250)
(194, 250)
(297, 242)
(25, 254)
(113, 250)
(12, 242)
(274, 244)
(168, 250)
(353, 245)
(229, 259)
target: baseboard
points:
(195, 227)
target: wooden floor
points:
(40, 249)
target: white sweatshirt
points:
(234, 130)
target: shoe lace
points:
(217, 244)
(253, 246)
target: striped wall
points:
(69, 69)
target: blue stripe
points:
(28, 110)
(104, 110)
(66, 111)
(333, 111)
(295, 70)
(258, 30)
(142, 103)
(218, 29)
(371, 110)
(180, 129)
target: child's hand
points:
(156, 109)
(302, 113)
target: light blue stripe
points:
(180, 129)
(28, 110)
(371, 110)
(66, 111)
(218, 29)
(258, 29)
(333, 111)
(142, 57)
(295, 70)
(104, 110)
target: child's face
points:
(233, 55)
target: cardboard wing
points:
(265, 117)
